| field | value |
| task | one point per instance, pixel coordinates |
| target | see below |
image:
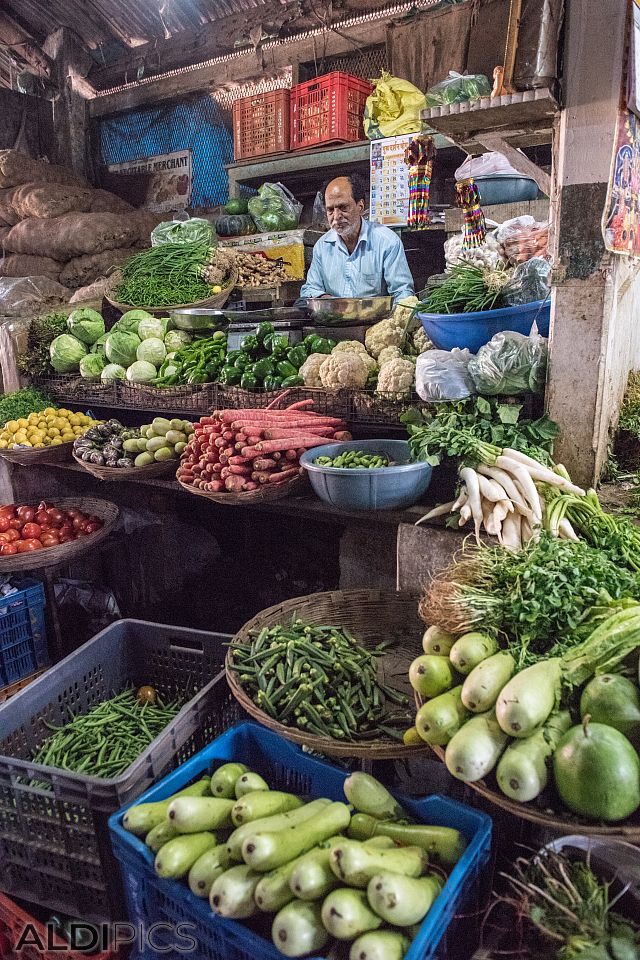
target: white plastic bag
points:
(487, 165)
(443, 375)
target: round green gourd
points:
(238, 225)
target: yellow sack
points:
(393, 108)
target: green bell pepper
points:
(286, 369)
(297, 356)
(264, 330)
(277, 344)
(272, 382)
(232, 356)
(230, 375)
(249, 381)
(320, 345)
(263, 368)
(250, 344)
(292, 382)
(243, 362)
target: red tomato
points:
(31, 531)
(73, 512)
(67, 538)
(55, 516)
(78, 522)
(16, 524)
(4, 537)
(12, 535)
(66, 529)
(42, 517)
(26, 546)
(8, 511)
(4, 523)
(92, 527)
(26, 513)
(50, 540)
(8, 549)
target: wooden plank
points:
(539, 209)
(517, 159)
(423, 552)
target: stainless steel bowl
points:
(198, 318)
(345, 311)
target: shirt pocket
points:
(371, 278)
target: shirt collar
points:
(332, 237)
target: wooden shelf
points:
(523, 119)
(538, 209)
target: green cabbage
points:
(152, 327)
(176, 340)
(128, 322)
(121, 347)
(98, 346)
(113, 371)
(153, 351)
(66, 352)
(141, 372)
(85, 324)
(92, 366)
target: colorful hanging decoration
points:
(468, 199)
(419, 156)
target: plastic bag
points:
(523, 238)
(275, 208)
(84, 609)
(192, 230)
(458, 88)
(531, 281)
(319, 217)
(443, 375)
(510, 364)
(394, 108)
(487, 165)
(25, 296)
(487, 254)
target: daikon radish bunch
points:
(505, 495)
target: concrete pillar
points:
(594, 342)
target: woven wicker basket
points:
(52, 556)
(166, 468)
(216, 300)
(269, 491)
(372, 616)
(28, 457)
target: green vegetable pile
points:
(34, 362)
(18, 405)
(265, 360)
(320, 679)
(108, 738)
(167, 274)
(467, 288)
(354, 460)
(572, 908)
(197, 362)
(456, 430)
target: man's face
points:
(343, 213)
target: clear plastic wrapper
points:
(84, 609)
(490, 164)
(444, 375)
(523, 238)
(531, 281)
(457, 88)
(275, 208)
(510, 364)
(192, 230)
(487, 254)
(319, 215)
(26, 296)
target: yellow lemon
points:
(56, 441)
(74, 420)
(26, 443)
(5, 435)
(33, 418)
(12, 426)
(53, 432)
(3, 444)
(66, 437)
(19, 436)
(49, 412)
(22, 422)
(38, 446)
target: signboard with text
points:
(170, 182)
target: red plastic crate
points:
(14, 922)
(261, 124)
(328, 110)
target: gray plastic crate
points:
(54, 840)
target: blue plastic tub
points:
(151, 900)
(23, 641)
(473, 330)
(361, 489)
(506, 188)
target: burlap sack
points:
(4, 232)
(17, 168)
(94, 291)
(104, 202)
(8, 216)
(23, 265)
(77, 234)
(86, 269)
(47, 200)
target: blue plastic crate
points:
(23, 641)
(151, 900)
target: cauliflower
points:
(389, 353)
(386, 333)
(396, 378)
(310, 369)
(421, 342)
(349, 346)
(344, 369)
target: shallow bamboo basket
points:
(164, 469)
(215, 301)
(372, 616)
(28, 457)
(264, 493)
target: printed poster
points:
(389, 198)
(621, 221)
(170, 185)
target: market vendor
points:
(356, 258)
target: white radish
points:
(566, 531)
(462, 499)
(501, 509)
(470, 479)
(539, 472)
(506, 481)
(491, 489)
(465, 514)
(512, 538)
(438, 511)
(524, 482)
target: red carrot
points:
(278, 433)
(278, 399)
(238, 461)
(271, 446)
(234, 484)
(264, 463)
(250, 485)
(291, 455)
(214, 486)
(342, 436)
(228, 434)
(301, 404)
(283, 475)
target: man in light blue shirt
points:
(356, 258)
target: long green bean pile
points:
(169, 273)
(321, 680)
(107, 739)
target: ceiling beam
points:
(23, 46)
